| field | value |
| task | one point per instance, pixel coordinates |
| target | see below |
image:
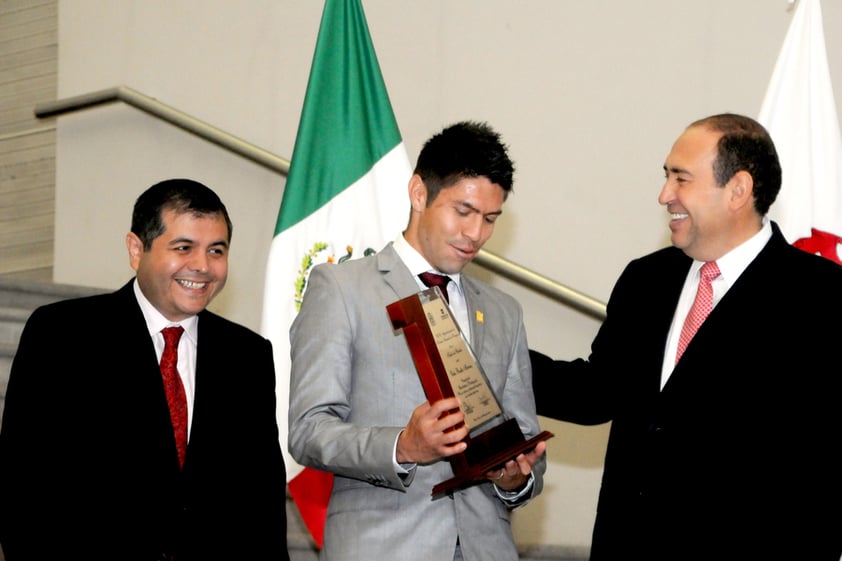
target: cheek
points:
(220, 269)
(439, 226)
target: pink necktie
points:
(434, 279)
(702, 306)
(176, 398)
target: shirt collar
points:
(732, 264)
(155, 321)
(415, 262)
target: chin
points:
(677, 242)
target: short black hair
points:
(746, 145)
(464, 149)
(179, 195)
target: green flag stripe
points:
(347, 123)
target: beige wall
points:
(28, 72)
(589, 94)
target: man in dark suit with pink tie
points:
(731, 449)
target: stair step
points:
(11, 324)
(29, 295)
(18, 299)
(7, 353)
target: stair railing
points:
(152, 106)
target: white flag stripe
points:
(374, 209)
(800, 113)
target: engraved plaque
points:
(464, 373)
(447, 367)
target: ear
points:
(135, 247)
(742, 190)
(417, 193)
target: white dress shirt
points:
(417, 265)
(731, 266)
(155, 322)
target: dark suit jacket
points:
(738, 457)
(88, 463)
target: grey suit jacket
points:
(353, 388)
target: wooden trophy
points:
(448, 367)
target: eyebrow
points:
(675, 169)
(191, 241)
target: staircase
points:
(17, 300)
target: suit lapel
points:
(473, 302)
(146, 387)
(745, 299)
(134, 329)
(397, 276)
(395, 273)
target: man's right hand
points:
(434, 431)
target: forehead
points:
(478, 192)
(696, 146)
(179, 222)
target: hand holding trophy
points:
(448, 367)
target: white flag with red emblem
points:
(800, 114)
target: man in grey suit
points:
(357, 406)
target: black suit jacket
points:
(738, 456)
(88, 462)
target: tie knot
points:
(709, 271)
(172, 334)
(435, 279)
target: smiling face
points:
(187, 265)
(702, 217)
(452, 229)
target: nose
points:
(477, 227)
(667, 193)
(199, 262)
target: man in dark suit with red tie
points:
(89, 462)
(730, 450)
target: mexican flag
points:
(800, 113)
(345, 197)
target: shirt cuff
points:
(515, 497)
(401, 470)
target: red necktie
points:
(702, 306)
(176, 398)
(435, 279)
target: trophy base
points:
(487, 451)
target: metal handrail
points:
(540, 283)
(152, 106)
(171, 115)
